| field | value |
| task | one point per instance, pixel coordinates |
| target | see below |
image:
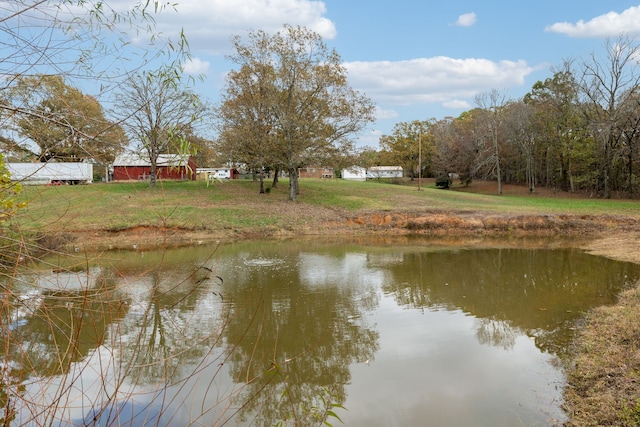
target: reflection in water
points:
(406, 334)
(496, 332)
(305, 332)
(538, 292)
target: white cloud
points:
(433, 80)
(466, 20)
(208, 25)
(369, 138)
(610, 24)
(196, 66)
(457, 104)
(382, 114)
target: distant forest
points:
(577, 131)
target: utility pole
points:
(419, 160)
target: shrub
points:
(443, 181)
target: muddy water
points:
(410, 333)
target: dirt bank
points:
(614, 237)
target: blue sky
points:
(415, 60)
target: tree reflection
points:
(538, 292)
(166, 329)
(497, 333)
(60, 327)
(140, 330)
(294, 353)
(163, 333)
(45, 333)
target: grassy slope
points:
(238, 205)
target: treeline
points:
(578, 131)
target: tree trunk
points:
(261, 183)
(276, 172)
(607, 169)
(152, 175)
(630, 172)
(572, 187)
(293, 184)
(531, 175)
(564, 177)
(498, 169)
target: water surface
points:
(378, 333)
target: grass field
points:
(237, 205)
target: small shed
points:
(355, 173)
(385, 172)
(134, 166)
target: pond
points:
(372, 332)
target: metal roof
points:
(385, 168)
(134, 159)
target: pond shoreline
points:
(611, 236)
(587, 401)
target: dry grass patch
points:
(604, 379)
(502, 224)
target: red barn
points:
(168, 166)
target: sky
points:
(416, 60)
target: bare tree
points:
(455, 149)
(519, 132)
(492, 104)
(608, 84)
(158, 114)
(83, 43)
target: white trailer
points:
(385, 172)
(51, 173)
(217, 173)
(223, 173)
(355, 173)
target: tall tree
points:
(456, 147)
(560, 126)
(411, 146)
(492, 105)
(519, 133)
(202, 149)
(158, 114)
(295, 91)
(248, 131)
(65, 124)
(630, 128)
(608, 84)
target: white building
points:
(51, 172)
(355, 173)
(385, 172)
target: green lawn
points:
(238, 204)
